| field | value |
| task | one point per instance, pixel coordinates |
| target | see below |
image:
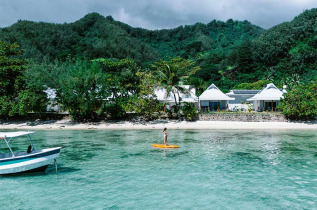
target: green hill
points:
(95, 36)
(285, 54)
(190, 40)
(228, 52)
(290, 49)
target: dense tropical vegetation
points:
(17, 96)
(104, 68)
(301, 102)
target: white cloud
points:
(125, 17)
(155, 14)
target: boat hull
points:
(29, 163)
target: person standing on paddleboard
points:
(165, 135)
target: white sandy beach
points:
(67, 124)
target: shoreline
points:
(67, 124)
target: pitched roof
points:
(243, 92)
(214, 94)
(270, 92)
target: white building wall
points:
(205, 105)
(258, 105)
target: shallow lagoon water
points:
(211, 170)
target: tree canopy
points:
(301, 102)
(16, 96)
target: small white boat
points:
(30, 161)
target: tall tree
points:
(83, 90)
(171, 73)
(144, 102)
(16, 96)
(122, 82)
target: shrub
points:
(189, 111)
(301, 103)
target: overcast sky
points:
(155, 14)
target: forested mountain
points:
(286, 53)
(289, 50)
(190, 40)
(95, 36)
(228, 53)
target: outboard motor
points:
(29, 149)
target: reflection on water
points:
(211, 169)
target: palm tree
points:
(171, 73)
(200, 85)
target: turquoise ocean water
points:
(211, 170)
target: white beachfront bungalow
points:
(241, 96)
(213, 99)
(52, 105)
(189, 96)
(268, 98)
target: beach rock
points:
(244, 117)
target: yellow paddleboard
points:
(165, 146)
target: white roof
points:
(269, 93)
(14, 134)
(214, 94)
(50, 93)
(191, 97)
(161, 95)
(242, 92)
